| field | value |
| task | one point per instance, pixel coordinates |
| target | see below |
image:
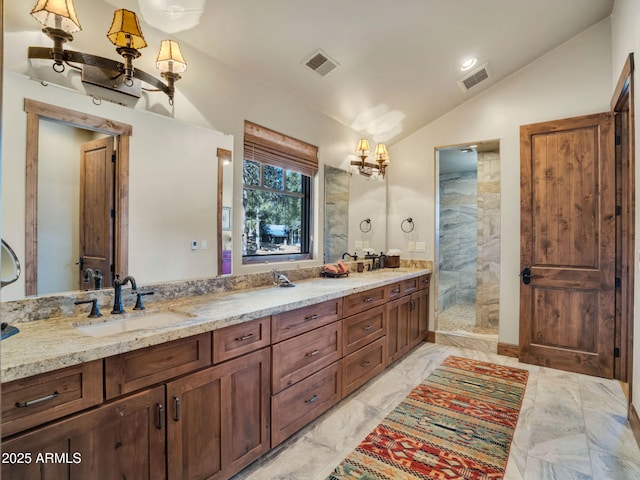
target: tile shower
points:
(469, 246)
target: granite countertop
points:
(54, 343)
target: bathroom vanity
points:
(235, 375)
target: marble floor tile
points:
(570, 426)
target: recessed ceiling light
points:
(467, 64)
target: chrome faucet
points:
(117, 286)
(281, 279)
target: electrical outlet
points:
(421, 247)
(204, 244)
(412, 247)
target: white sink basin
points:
(148, 321)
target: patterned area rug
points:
(457, 424)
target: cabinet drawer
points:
(423, 281)
(35, 400)
(236, 340)
(361, 366)
(358, 302)
(131, 371)
(298, 405)
(394, 291)
(294, 322)
(299, 357)
(361, 329)
(410, 285)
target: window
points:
(277, 179)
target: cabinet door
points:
(418, 317)
(218, 419)
(246, 410)
(397, 328)
(123, 439)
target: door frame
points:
(35, 112)
(622, 105)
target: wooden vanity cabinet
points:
(121, 439)
(218, 418)
(362, 365)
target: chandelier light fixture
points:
(60, 21)
(381, 156)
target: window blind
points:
(273, 148)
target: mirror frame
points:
(37, 111)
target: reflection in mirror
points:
(225, 201)
(76, 199)
(9, 265)
(76, 177)
(165, 196)
(350, 199)
(336, 213)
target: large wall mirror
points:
(355, 214)
(172, 191)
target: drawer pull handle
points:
(29, 403)
(311, 317)
(312, 399)
(244, 337)
(366, 364)
(368, 299)
(313, 354)
(425, 280)
(412, 305)
(159, 416)
(367, 328)
(176, 415)
(395, 290)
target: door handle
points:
(526, 275)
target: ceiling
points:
(398, 61)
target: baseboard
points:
(634, 421)
(508, 350)
(431, 337)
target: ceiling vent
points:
(475, 77)
(320, 63)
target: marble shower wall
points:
(458, 239)
(488, 267)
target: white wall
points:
(573, 79)
(625, 21)
(172, 184)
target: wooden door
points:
(124, 439)
(97, 178)
(567, 290)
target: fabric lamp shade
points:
(170, 57)
(60, 14)
(125, 30)
(381, 152)
(363, 145)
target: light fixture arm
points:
(59, 55)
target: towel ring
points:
(407, 229)
(366, 228)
